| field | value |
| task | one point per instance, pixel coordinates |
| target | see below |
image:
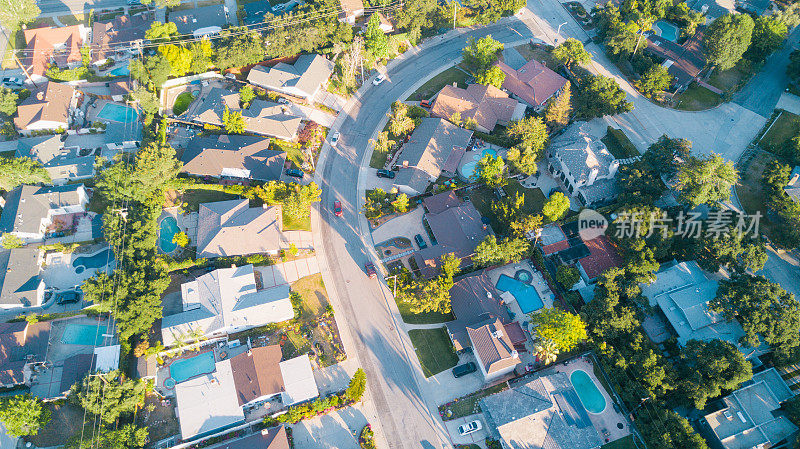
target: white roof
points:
(208, 402)
(106, 358)
(298, 380)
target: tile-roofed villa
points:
(32, 212)
(60, 46)
(487, 105)
(303, 79)
(117, 38)
(533, 83)
(602, 256)
(233, 157)
(22, 345)
(581, 161)
(49, 107)
(493, 348)
(434, 149)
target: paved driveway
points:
(309, 113)
(789, 102)
(478, 437)
(763, 91)
(784, 269)
(407, 225)
(337, 430)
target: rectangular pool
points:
(526, 295)
(185, 369)
(84, 334)
(118, 113)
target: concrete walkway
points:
(789, 102)
(288, 272)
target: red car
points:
(337, 208)
(370, 269)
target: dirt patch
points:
(65, 422)
(159, 417)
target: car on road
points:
(370, 270)
(335, 138)
(12, 81)
(463, 370)
(379, 79)
(420, 241)
(294, 172)
(383, 173)
(470, 427)
(337, 208)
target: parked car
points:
(425, 103)
(337, 208)
(470, 427)
(282, 100)
(294, 172)
(134, 2)
(379, 79)
(420, 241)
(12, 81)
(383, 173)
(370, 270)
(68, 297)
(463, 370)
(335, 138)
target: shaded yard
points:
(468, 405)
(732, 79)
(194, 197)
(293, 152)
(483, 197)
(69, 19)
(750, 189)
(618, 144)
(65, 422)
(312, 289)
(622, 443)
(422, 318)
(697, 98)
(435, 84)
(434, 350)
(529, 52)
(159, 419)
(782, 131)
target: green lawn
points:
(528, 52)
(422, 318)
(783, 130)
(468, 405)
(622, 443)
(435, 84)
(312, 289)
(750, 190)
(69, 19)
(182, 103)
(697, 98)
(293, 151)
(483, 197)
(434, 350)
(534, 198)
(619, 145)
(292, 224)
(732, 79)
(193, 198)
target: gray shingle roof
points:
(580, 152)
(27, 206)
(247, 156)
(307, 74)
(59, 160)
(190, 20)
(20, 277)
(233, 228)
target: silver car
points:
(470, 427)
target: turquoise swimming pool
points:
(666, 30)
(99, 260)
(526, 295)
(166, 233)
(591, 397)
(118, 113)
(185, 369)
(120, 71)
(467, 170)
(83, 334)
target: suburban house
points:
(63, 163)
(22, 286)
(202, 21)
(303, 79)
(493, 348)
(750, 416)
(540, 412)
(23, 346)
(602, 256)
(222, 224)
(351, 10)
(55, 380)
(533, 83)
(714, 9)
(552, 239)
(53, 46)
(262, 117)
(683, 62)
(259, 375)
(682, 291)
(792, 188)
(224, 301)
(233, 157)
(488, 106)
(33, 213)
(581, 161)
(272, 438)
(119, 38)
(50, 107)
(434, 149)
(458, 229)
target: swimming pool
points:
(83, 334)
(118, 113)
(120, 71)
(467, 170)
(666, 30)
(166, 233)
(591, 397)
(99, 260)
(185, 369)
(526, 295)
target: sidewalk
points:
(789, 103)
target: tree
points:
(298, 203)
(665, 156)
(709, 368)
(400, 204)
(147, 100)
(375, 40)
(23, 415)
(706, 180)
(357, 387)
(127, 436)
(567, 276)
(109, 396)
(480, 54)
(425, 296)
(233, 121)
(559, 108)
(789, 15)
(8, 101)
(237, 48)
(564, 329)
(726, 40)
(571, 51)
(202, 53)
(768, 35)
(493, 76)
(491, 252)
(15, 13)
(155, 69)
(654, 80)
(15, 171)
(11, 241)
(180, 239)
(531, 132)
(179, 58)
(603, 96)
(665, 429)
(162, 3)
(399, 121)
(160, 30)
(556, 206)
(523, 226)
(383, 144)
(490, 171)
(246, 95)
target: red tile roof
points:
(603, 255)
(62, 44)
(533, 83)
(487, 105)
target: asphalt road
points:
(392, 369)
(50, 7)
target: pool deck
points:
(607, 420)
(59, 272)
(186, 223)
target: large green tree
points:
(707, 368)
(603, 96)
(357, 387)
(298, 203)
(480, 54)
(15, 13)
(665, 429)
(109, 396)
(563, 328)
(491, 252)
(571, 51)
(8, 101)
(768, 35)
(654, 80)
(556, 206)
(531, 134)
(726, 40)
(23, 415)
(15, 171)
(491, 171)
(375, 40)
(431, 295)
(559, 108)
(706, 180)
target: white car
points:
(12, 81)
(470, 427)
(379, 79)
(335, 138)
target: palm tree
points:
(546, 350)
